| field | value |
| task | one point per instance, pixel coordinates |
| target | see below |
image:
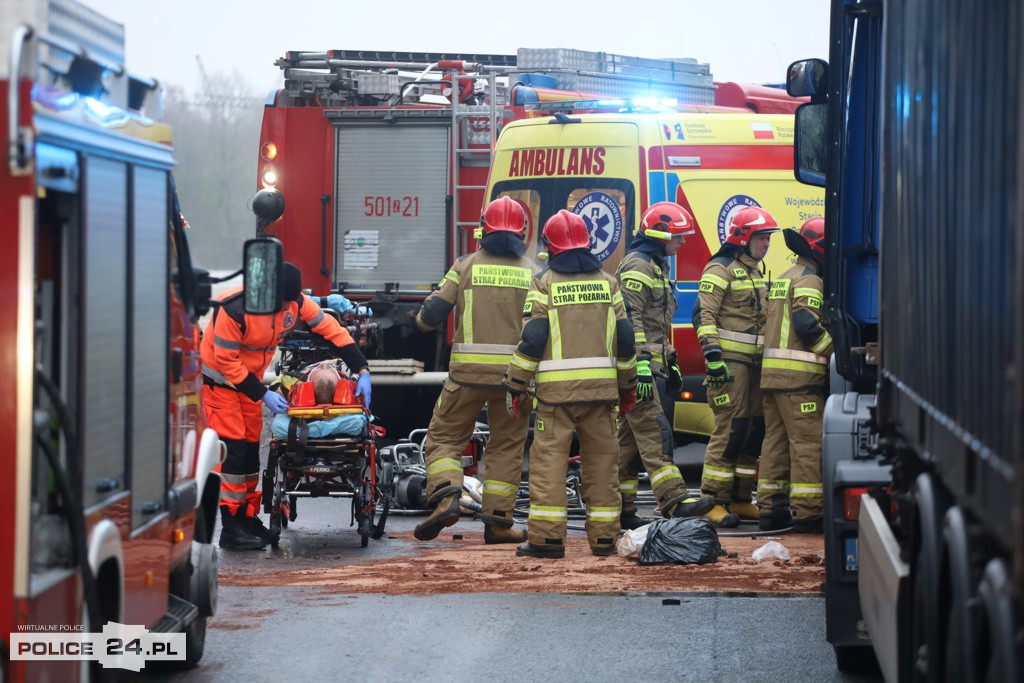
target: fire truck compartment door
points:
(391, 220)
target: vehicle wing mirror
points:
(810, 143)
(807, 78)
(261, 279)
(268, 205)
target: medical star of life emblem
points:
(289, 320)
(730, 207)
(603, 218)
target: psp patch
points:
(601, 213)
(729, 208)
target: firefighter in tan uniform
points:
(577, 347)
(487, 289)
(793, 378)
(645, 436)
(729, 317)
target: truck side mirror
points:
(807, 78)
(261, 279)
(810, 143)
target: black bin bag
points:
(681, 540)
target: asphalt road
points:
(291, 633)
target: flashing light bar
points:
(640, 103)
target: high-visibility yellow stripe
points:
(806, 291)
(467, 317)
(629, 486)
(717, 473)
(666, 473)
(525, 364)
(626, 365)
(823, 343)
(640, 337)
(729, 345)
(452, 275)
(806, 491)
(443, 465)
(745, 472)
(575, 375)
(782, 364)
(548, 513)
(737, 285)
(604, 513)
(778, 485)
(537, 298)
(617, 298)
(715, 280)
(609, 332)
(786, 326)
(705, 330)
(481, 358)
(641, 277)
(556, 333)
(500, 488)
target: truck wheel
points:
(999, 657)
(960, 651)
(925, 647)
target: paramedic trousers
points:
(549, 461)
(238, 420)
(730, 462)
(645, 439)
(789, 476)
(451, 426)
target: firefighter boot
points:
(808, 525)
(445, 513)
(236, 533)
(499, 534)
(548, 552)
(747, 512)
(721, 516)
(691, 507)
(630, 521)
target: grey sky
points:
(742, 40)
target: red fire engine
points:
(383, 162)
(109, 496)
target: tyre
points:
(999, 659)
(960, 651)
(926, 644)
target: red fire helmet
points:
(564, 231)
(665, 220)
(748, 222)
(504, 214)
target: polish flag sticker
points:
(762, 130)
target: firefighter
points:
(487, 289)
(645, 436)
(236, 350)
(577, 347)
(729, 317)
(793, 378)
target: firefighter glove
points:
(364, 389)
(513, 403)
(674, 385)
(718, 374)
(627, 401)
(645, 381)
(276, 402)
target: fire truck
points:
(109, 490)
(383, 160)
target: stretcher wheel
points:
(365, 531)
(275, 526)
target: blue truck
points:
(914, 130)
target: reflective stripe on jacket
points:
(730, 312)
(488, 292)
(650, 304)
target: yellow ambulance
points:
(609, 168)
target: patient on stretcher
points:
(327, 402)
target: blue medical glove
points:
(364, 310)
(364, 389)
(645, 381)
(337, 302)
(276, 402)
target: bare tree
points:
(216, 138)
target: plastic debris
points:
(772, 550)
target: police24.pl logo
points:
(119, 646)
(601, 213)
(729, 209)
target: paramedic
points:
(577, 347)
(645, 436)
(793, 379)
(236, 350)
(487, 289)
(729, 317)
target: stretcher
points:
(327, 450)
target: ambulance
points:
(609, 167)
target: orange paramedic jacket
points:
(237, 347)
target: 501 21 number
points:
(391, 206)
